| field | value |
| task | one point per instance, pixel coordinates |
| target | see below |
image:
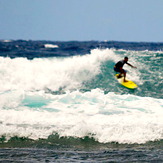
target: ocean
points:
(60, 102)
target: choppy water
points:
(67, 106)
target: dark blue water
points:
(60, 102)
(33, 49)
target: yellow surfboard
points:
(129, 84)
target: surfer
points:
(119, 67)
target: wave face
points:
(77, 96)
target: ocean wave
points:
(103, 117)
(54, 73)
(56, 141)
(78, 96)
(51, 46)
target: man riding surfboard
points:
(119, 67)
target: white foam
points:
(7, 40)
(106, 117)
(51, 46)
(54, 73)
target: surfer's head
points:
(125, 59)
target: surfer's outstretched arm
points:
(131, 65)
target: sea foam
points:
(105, 117)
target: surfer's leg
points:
(124, 72)
(118, 71)
(121, 73)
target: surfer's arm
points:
(131, 65)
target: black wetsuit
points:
(119, 65)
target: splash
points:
(105, 117)
(78, 97)
(54, 73)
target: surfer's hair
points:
(126, 58)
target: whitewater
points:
(77, 97)
(45, 96)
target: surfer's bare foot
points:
(125, 80)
